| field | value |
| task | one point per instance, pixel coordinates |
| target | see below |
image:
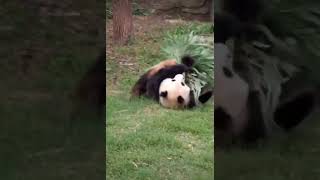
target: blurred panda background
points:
(275, 47)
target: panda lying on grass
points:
(165, 83)
(239, 108)
(243, 107)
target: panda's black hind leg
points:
(293, 111)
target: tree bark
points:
(122, 21)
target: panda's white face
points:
(174, 93)
(230, 90)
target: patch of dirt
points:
(143, 27)
(146, 28)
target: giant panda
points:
(165, 83)
(238, 108)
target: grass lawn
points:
(44, 52)
(144, 140)
(294, 156)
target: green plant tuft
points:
(197, 44)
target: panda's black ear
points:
(164, 94)
(180, 99)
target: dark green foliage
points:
(197, 42)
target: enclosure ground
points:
(144, 140)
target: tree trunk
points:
(122, 21)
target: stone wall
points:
(187, 6)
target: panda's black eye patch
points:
(180, 99)
(182, 83)
(227, 72)
(173, 80)
(164, 94)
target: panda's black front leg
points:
(255, 128)
(155, 81)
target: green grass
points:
(196, 28)
(145, 140)
(41, 63)
(294, 156)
